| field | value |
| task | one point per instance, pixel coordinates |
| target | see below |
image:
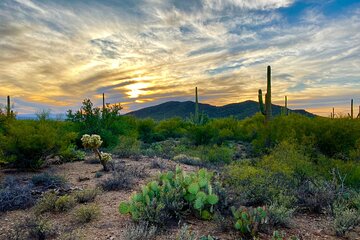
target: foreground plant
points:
(94, 142)
(249, 220)
(171, 196)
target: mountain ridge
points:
(183, 109)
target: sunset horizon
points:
(147, 52)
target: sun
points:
(136, 89)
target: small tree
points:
(94, 142)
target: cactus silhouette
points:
(196, 106)
(351, 115)
(266, 110)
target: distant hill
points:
(183, 109)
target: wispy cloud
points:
(147, 51)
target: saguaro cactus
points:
(351, 115)
(267, 109)
(8, 107)
(358, 116)
(196, 106)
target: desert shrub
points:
(128, 146)
(219, 154)
(140, 231)
(48, 181)
(315, 195)
(185, 233)
(172, 128)
(32, 228)
(120, 179)
(158, 163)
(249, 220)
(165, 149)
(26, 144)
(202, 134)
(280, 215)
(71, 154)
(171, 195)
(15, 195)
(46, 203)
(188, 160)
(87, 213)
(65, 203)
(345, 218)
(146, 130)
(86, 195)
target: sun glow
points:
(135, 90)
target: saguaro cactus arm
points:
(261, 103)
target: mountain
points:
(183, 110)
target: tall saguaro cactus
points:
(267, 109)
(196, 106)
(8, 107)
(351, 115)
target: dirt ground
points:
(112, 225)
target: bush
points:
(26, 144)
(188, 160)
(128, 146)
(46, 203)
(171, 195)
(316, 195)
(86, 195)
(345, 218)
(65, 203)
(158, 163)
(33, 228)
(220, 154)
(119, 180)
(280, 215)
(185, 233)
(47, 181)
(70, 154)
(87, 213)
(140, 231)
(14, 195)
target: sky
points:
(55, 53)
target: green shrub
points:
(70, 154)
(185, 159)
(170, 195)
(128, 146)
(32, 228)
(146, 130)
(249, 220)
(172, 128)
(26, 144)
(345, 218)
(65, 203)
(220, 154)
(46, 203)
(280, 215)
(87, 213)
(86, 195)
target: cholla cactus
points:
(106, 157)
(93, 142)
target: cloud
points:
(55, 53)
